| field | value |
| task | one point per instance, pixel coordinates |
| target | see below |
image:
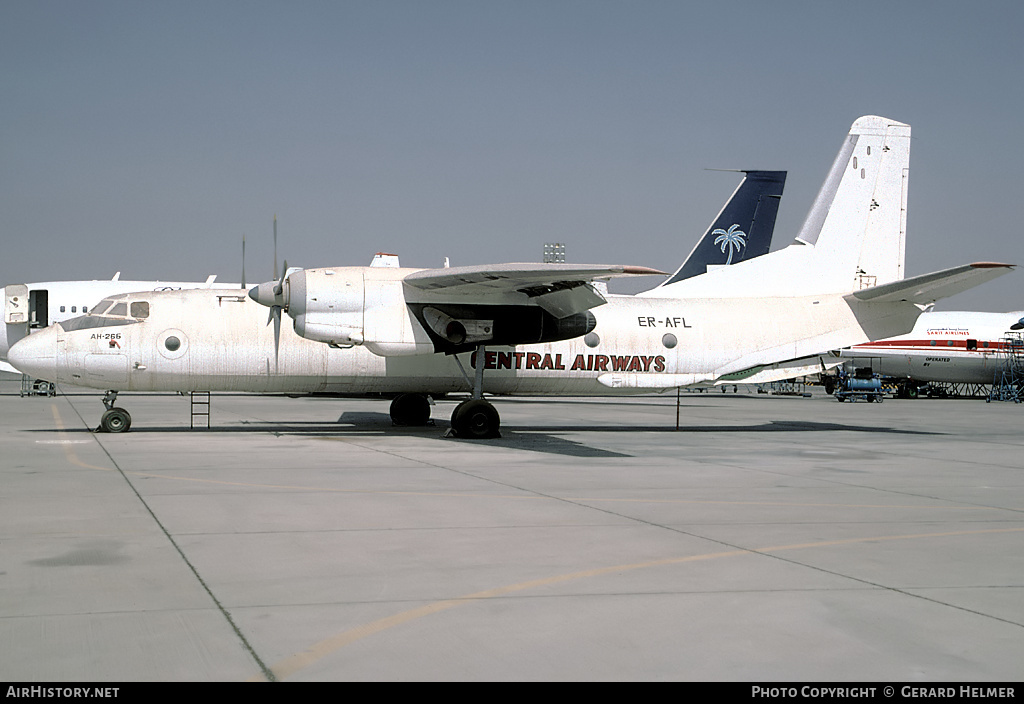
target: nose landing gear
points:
(114, 419)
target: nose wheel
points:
(114, 419)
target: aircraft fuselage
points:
(219, 340)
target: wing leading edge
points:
(560, 289)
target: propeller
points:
(273, 295)
(279, 303)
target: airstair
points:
(1008, 384)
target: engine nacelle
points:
(322, 329)
(356, 306)
(367, 306)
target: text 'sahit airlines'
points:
(411, 332)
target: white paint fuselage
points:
(225, 344)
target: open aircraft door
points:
(16, 304)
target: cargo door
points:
(16, 304)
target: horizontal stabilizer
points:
(928, 288)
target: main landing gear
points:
(410, 409)
(476, 418)
(114, 419)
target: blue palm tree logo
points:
(733, 239)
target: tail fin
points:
(858, 222)
(743, 229)
(854, 236)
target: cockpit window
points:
(84, 322)
(109, 312)
(140, 309)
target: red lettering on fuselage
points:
(588, 363)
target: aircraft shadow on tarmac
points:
(547, 439)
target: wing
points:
(560, 289)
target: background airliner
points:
(953, 346)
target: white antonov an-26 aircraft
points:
(535, 329)
(749, 215)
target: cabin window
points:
(62, 309)
(172, 343)
(949, 343)
(669, 340)
(934, 343)
(591, 339)
(984, 344)
(74, 309)
(84, 309)
(140, 309)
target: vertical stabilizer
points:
(743, 229)
(854, 236)
(859, 234)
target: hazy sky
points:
(148, 137)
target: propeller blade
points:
(276, 312)
(243, 261)
(279, 289)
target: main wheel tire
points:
(115, 420)
(410, 409)
(476, 419)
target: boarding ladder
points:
(1008, 384)
(200, 403)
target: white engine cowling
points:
(356, 305)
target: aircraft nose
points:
(36, 355)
